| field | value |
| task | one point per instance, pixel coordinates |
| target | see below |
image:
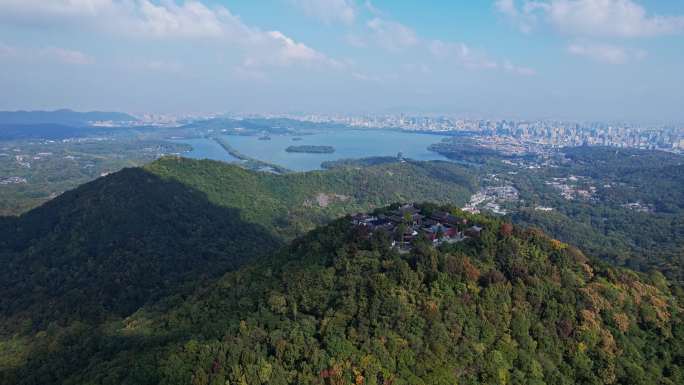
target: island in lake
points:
(311, 149)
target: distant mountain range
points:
(55, 124)
(46, 131)
(62, 117)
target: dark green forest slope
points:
(339, 307)
(109, 246)
(293, 204)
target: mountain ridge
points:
(339, 306)
(135, 236)
(106, 247)
(62, 116)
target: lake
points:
(347, 144)
(203, 148)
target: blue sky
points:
(567, 59)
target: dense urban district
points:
(529, 133)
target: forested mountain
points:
(112, 245)
(341, 306)
(183, 272)
(55, 125)
(292, 204)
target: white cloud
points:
(280, 51)
(461, 54)
(518, 70)
(31, 11)
(396, 37)
(329, 11)
(138, 18)
(522, 19)
(190, 19)
(603, 18)
(372, 8)
(605, 52)
(68, 56)
(289, 51)
(507, 7)
(167, 19)
(391, 35)
(622, 18)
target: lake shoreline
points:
(349, 143)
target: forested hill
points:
(293, 204)
(341, 306)
(112, 245)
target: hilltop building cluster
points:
(408, 223)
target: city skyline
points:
(557, 59)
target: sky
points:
(510, 59)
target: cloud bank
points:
(168, 19)
(597, 18)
